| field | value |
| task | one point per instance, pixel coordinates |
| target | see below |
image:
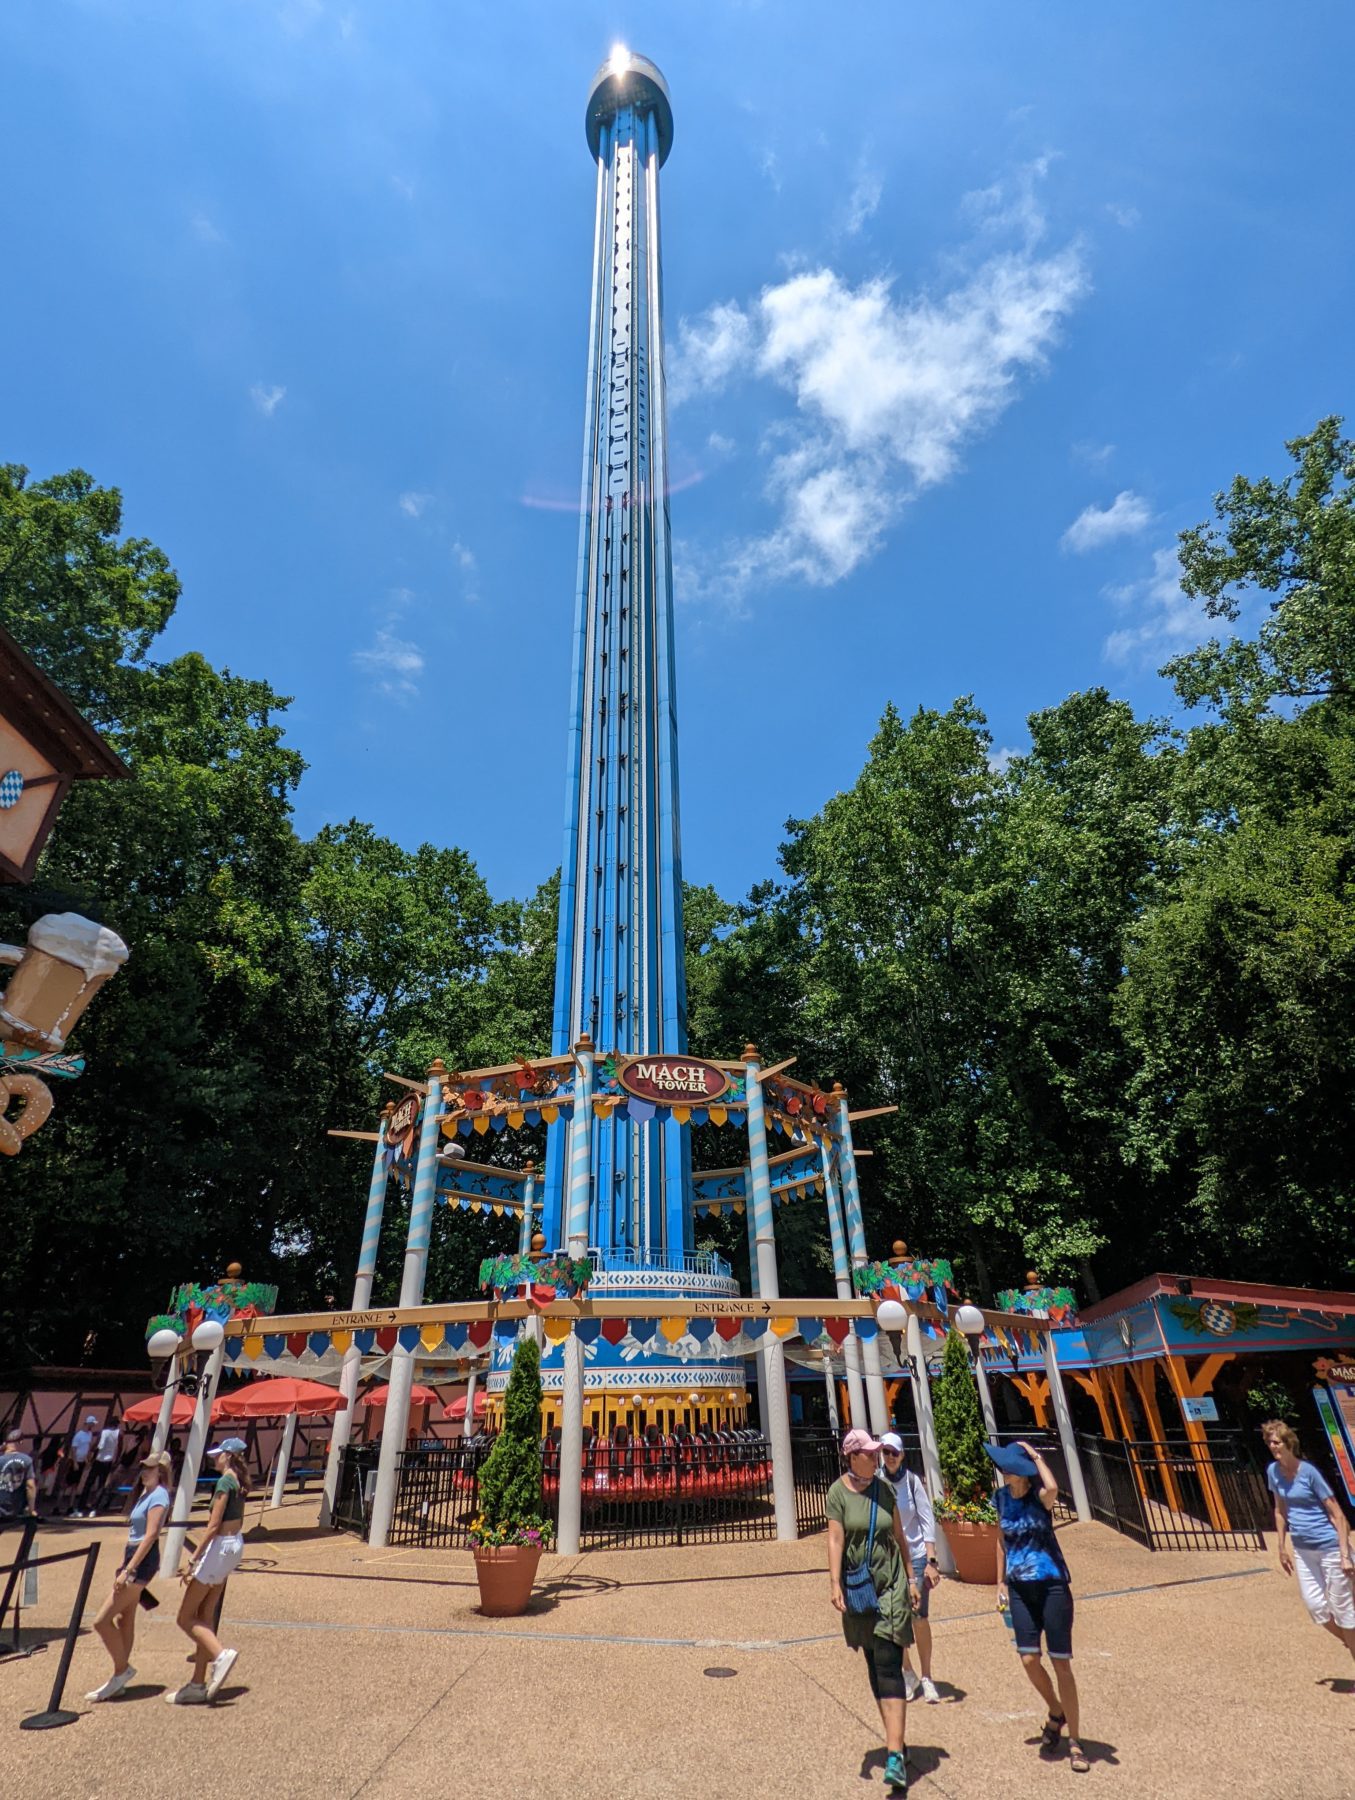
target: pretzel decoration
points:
(37, 1099)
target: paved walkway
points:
(696, 1671)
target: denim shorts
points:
(924, 1592)
(1042, 1609)
(147, 1569)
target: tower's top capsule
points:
(626, 79)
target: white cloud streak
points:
(267, 399)
(887, 389)
(864, 200)
(394, 663)
(1166, 620)
(1096, 526)
(412, 504)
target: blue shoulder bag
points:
(858, 1585)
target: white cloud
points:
(999, 761)
(770, 165)
(1096, 526)
(1126, 217)
(413, 504)
(1094, 455)
(267, 399)
(395, 663)
(709, 349)
(205, 229)
(887, 388)
(720, 445)
(403, 187)
(864, 199)
(1167, 621)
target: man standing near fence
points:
(18, 1484)
(919, 1523)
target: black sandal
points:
(1053, 1730)
(1077, 1757)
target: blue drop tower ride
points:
(620, 976)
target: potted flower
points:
(510, 1532)
(966, 1473)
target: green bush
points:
(966, 1473)
(510, 1481)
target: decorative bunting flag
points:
(385, 1339)
(587, 1331)
(613, 1330)
(642, 1330)
(533, 1115)
(253, 1347)
(455, 1335)
(550, 1114)
(478, 1332)
(233, 1348)
(783, 1328)
(701, 1329)
(431, 1336)
(811, 1330)
(273, 1345)
(755, 1328)
(557, 1330)
(866, 1329)
(729, 1328)
(364, 1341)
(672, 1329)
(296, 1343)
(837, 1329)
(408, 1337)
(719, 1115)
(319, 1342)
(683, 1114)
(341, 1340)
(642, 1111)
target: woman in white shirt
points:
(919, 1522)
(116, 1623)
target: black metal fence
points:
(816, 1460)
(352, 1498)
(1177, 1496)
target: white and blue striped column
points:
(578, 1203)
(362, 1299)
(771, 1351)
(842, 1278)
(411, 1294)
(856, 1236)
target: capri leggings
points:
(884, 1665)
(1042, 1609)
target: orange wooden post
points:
(1115, 1376)
(1145, 1379)
(1091, 1384)
(1034, 1388)
(1190, 1387)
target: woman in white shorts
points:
(218, 1556)
(1312, 1532)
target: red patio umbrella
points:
(278, 1397)
(457, 1409)
(147, 1411)
(419, 1395)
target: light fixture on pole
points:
(970, 1323)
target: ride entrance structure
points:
(638, 1329)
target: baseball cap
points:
(890, 1440)
(859, 1443)
(1011, 1459)
(236, 1446)
(158, 1459)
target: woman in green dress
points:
(885, 1632)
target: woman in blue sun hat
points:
(218, 1557)
(1033, 1580)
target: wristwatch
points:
(932, 1563)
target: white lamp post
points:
(209, 1339)
(969, 1322)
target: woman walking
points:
(870, 1583)
(919, 1522)
(1313, 1536)
(1032, 1579)
(116, 1620)
(218, 1556)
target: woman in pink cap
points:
(870, 1582)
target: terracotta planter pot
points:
(974, 1548)
(506, 1574)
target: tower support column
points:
(771, 1351)
(842, 1278)
(856, 1231)
(351, 1372)
(579, 1197)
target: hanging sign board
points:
(404, 1121)
(672, 1080)
(1204, 1410)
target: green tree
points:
(510, 1481)
(966, 1473)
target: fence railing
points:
(1172, 1496)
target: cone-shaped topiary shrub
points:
(966, 1472)
(510, 1480)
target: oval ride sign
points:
(672, 1080)
(403, 1120)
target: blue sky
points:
(970, 310)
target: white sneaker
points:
(219, 1670)
(192, 1693)
(113, 1686)
(929, 1693)
(911, 1684)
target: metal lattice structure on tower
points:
(620, 974)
